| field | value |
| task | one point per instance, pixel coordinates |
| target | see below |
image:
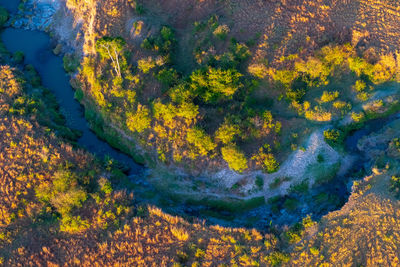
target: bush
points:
(168, 77)
(63, 193)
(146, 64)
(395, 185)
(329, 96)
(258, 70)
(214, 83)
(73, 224)
(259, 182)
(333, 137)
(276, 258)
(266, 159)
(70, 63)
(234, 157)
(140, 120)
(226, 132)
(221, 32)
(200, 140)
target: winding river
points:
(37, 48)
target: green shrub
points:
(200, 140)
(168, 77)
(333, 137)
(138, 121)
(259, 182)
(234, 157)
(227, 132)
(329, 96)
(70, 63)
(213, 83)
(221, 32)
(395, 185)
(290, 204)
(63, 193)
(276, 258)
(73, 224)
(146, 64)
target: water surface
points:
(37, 50)
(10, 5)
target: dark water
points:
(10, 5)
(369, 127)
(37, 49)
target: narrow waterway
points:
(37, 50)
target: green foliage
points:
(300, 188)
(221, 32)
(212, 84)
(259, 182)
(71, 63)
(360, 86)
(395, 185)
(108, 46)
(140, 120)
(181, 93)
(226, 132)
(63, 193)
(329, 96)
(290, 204)
(200, 140)
(234, 157)
(73, 224)
(3, 16)
(165, 112)
(314, 70)
(18, 57)
(111, 48)
(105, 186)
(146, 64)
(167, 34)
(266, 159)
(360, 66)
(78, 95)
(333, 137)
(276, 258)
(164, 43)
(240, 51)
(168, 77)
(396, 144)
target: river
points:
(37, 50)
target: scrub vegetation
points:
(195, 89)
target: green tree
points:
(234, 157)
(140, 120)
(333, 136)
(63, 192)
(199, 138)
(226, 132)
(111, 48)
(214, 83)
